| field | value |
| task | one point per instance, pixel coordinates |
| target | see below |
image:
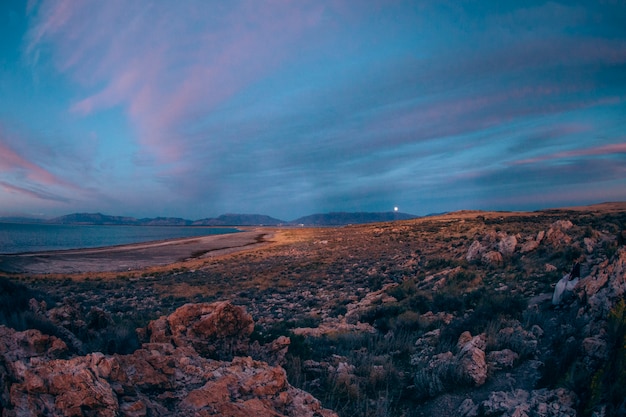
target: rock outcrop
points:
(472, 366)
(493, 248)
(538, 403)
(604, 286)
(216, 330)
(166, 377)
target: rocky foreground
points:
(167, 376)
(448, 316)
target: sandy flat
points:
(132, 257)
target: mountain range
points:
(320, 219)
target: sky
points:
(197, 108)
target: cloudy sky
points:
(287, 108)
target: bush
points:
(608, 385)
(14, 297)
(489, 307)
(15, 311)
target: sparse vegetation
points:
(429, 285)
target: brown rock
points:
(556, 235)
(529, 246)
(475, 251)
(493, 258)
(134, 409)
(554, 403)
(216, 330)
(507, 245)
(154, 380)
(605, 284)
(471, 359)
(505, 358)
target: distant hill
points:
(223, 220)
(240, 220)
(163, 221)
(343, 218)
(21, 220)
(93, 219)
(320, 219)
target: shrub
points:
(608, 384)
(14, 297)
(15, 311)
(408, 320)
(489, 307)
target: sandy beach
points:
(134, 256)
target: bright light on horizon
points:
(395, 208)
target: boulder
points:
(475, 251)
(538, 403)
(507, 245)
(216, 330)
(604, 285)
(529, 246)
(556, 235)
(472, 366)
(589, 244)
(467, 408)
(500, 359)
(519, 340)
(532, 244)
(493, 258)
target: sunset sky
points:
(288, 108)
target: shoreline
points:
(134, 256)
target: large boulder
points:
(475, 251)
(507, 245)
(605, 285)
(472, 366)
(217, 330)
(532, 244)
(557, 234)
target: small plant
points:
(608, 384)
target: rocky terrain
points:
(448, 315)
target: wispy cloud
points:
(167, 66)
(289, 107)
(21, 173)
(12, 163)
(36, 194)
(604, 150)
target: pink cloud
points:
(10, 161)
(22, 175)
(611, 149)
(558, 197)
(166, 65)
(463, 113)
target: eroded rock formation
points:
(166, 377)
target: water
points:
(18, 238)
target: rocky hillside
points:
(449, 315)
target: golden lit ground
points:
(262, 260)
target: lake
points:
(18, 238)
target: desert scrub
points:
(15, 311)
(563, 351)
(489, 307)
(377, 371)
(608, 384)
